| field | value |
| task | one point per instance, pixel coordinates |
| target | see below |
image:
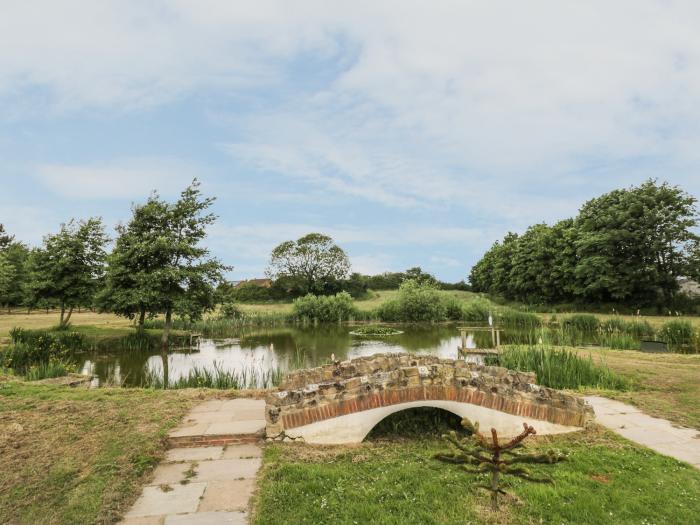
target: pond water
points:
(264, 349)
(262, 352)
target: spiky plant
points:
(488, 455)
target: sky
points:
(415, 133)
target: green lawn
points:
(606, 480)
(74, 456)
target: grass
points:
(561, 368)
(72, 456)
(606, 480)
(39, 319)
(662, 385)
(216, 377)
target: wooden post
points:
(493, 336)
(464, 338)
(498, 339)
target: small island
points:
(375, 330)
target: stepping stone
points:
(170, 473)
(235, 427)
(208, 518)
(227, 495)
(194, 454)
(153, 500)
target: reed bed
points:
(215, 377)
(560, 368)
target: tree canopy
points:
(628, 246)
(67, 269)
(311, 262)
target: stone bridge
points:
(342, 402)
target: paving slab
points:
(208, 518)
(242, 451)
(191, 429)
(208, 406)
(226, 469)
(235, 427)
(194, 454)
(653, 432)
(146, 520)
(154, 501)
(229, 495)
(170, 473)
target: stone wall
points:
(316, 394)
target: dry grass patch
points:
(79, 456)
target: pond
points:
(262, 352)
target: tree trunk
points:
(70, 312)
(142, 316)
(63, 313)
(166, 370)
(494, 489)
(166, 329)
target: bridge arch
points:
(342, 402)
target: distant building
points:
(689, 287)
(263, 283)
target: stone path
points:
(210, 475)
(657, 434)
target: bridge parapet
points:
(313, 395)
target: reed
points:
(215, 377)
(559, 368)
(54, 368)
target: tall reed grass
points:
(559, 368)
(215, 377)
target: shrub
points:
(325, 309)
(585, 322)
(35, 347)
(54, 368)
(415, 302)
(560, 368)
(476, 311)
(251, 293)
(229, 310)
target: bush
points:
(251, 293)
(584, 322)
(325, 309)
(36, 347)
(416, 302)
(229, 310)
(518, 318)
(476, 311)
(54, 368)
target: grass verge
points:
(72, 456)
(606, 480)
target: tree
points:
(5, 238)
(633, 243)
(7, 277)
(130, 288)
(68, 267)
(14, 257)
(311, 262)
(494, 458)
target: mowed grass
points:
(662, 385)
(40, 319)
(73, 456)
(606, 480)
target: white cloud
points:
(126, 179)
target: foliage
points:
(310, 262)
(622, 247)
(419, 423)
(415, 302)
(230, 310)
(39, 347)
(510, 317)
(68, 267)
(478, 455)
(375, 330)
(325, 309)
(560, 368)
(251, 293)
(215, 377)
(583, 322)
(130, 288)
(5, 238)
(52, 368)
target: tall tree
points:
(69, 265)
(311, 261)
(183, 276)
(130, 289)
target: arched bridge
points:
(342, 402)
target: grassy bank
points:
(662, 385)
(72, 456)
(606, 480)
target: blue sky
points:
(414, 133)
